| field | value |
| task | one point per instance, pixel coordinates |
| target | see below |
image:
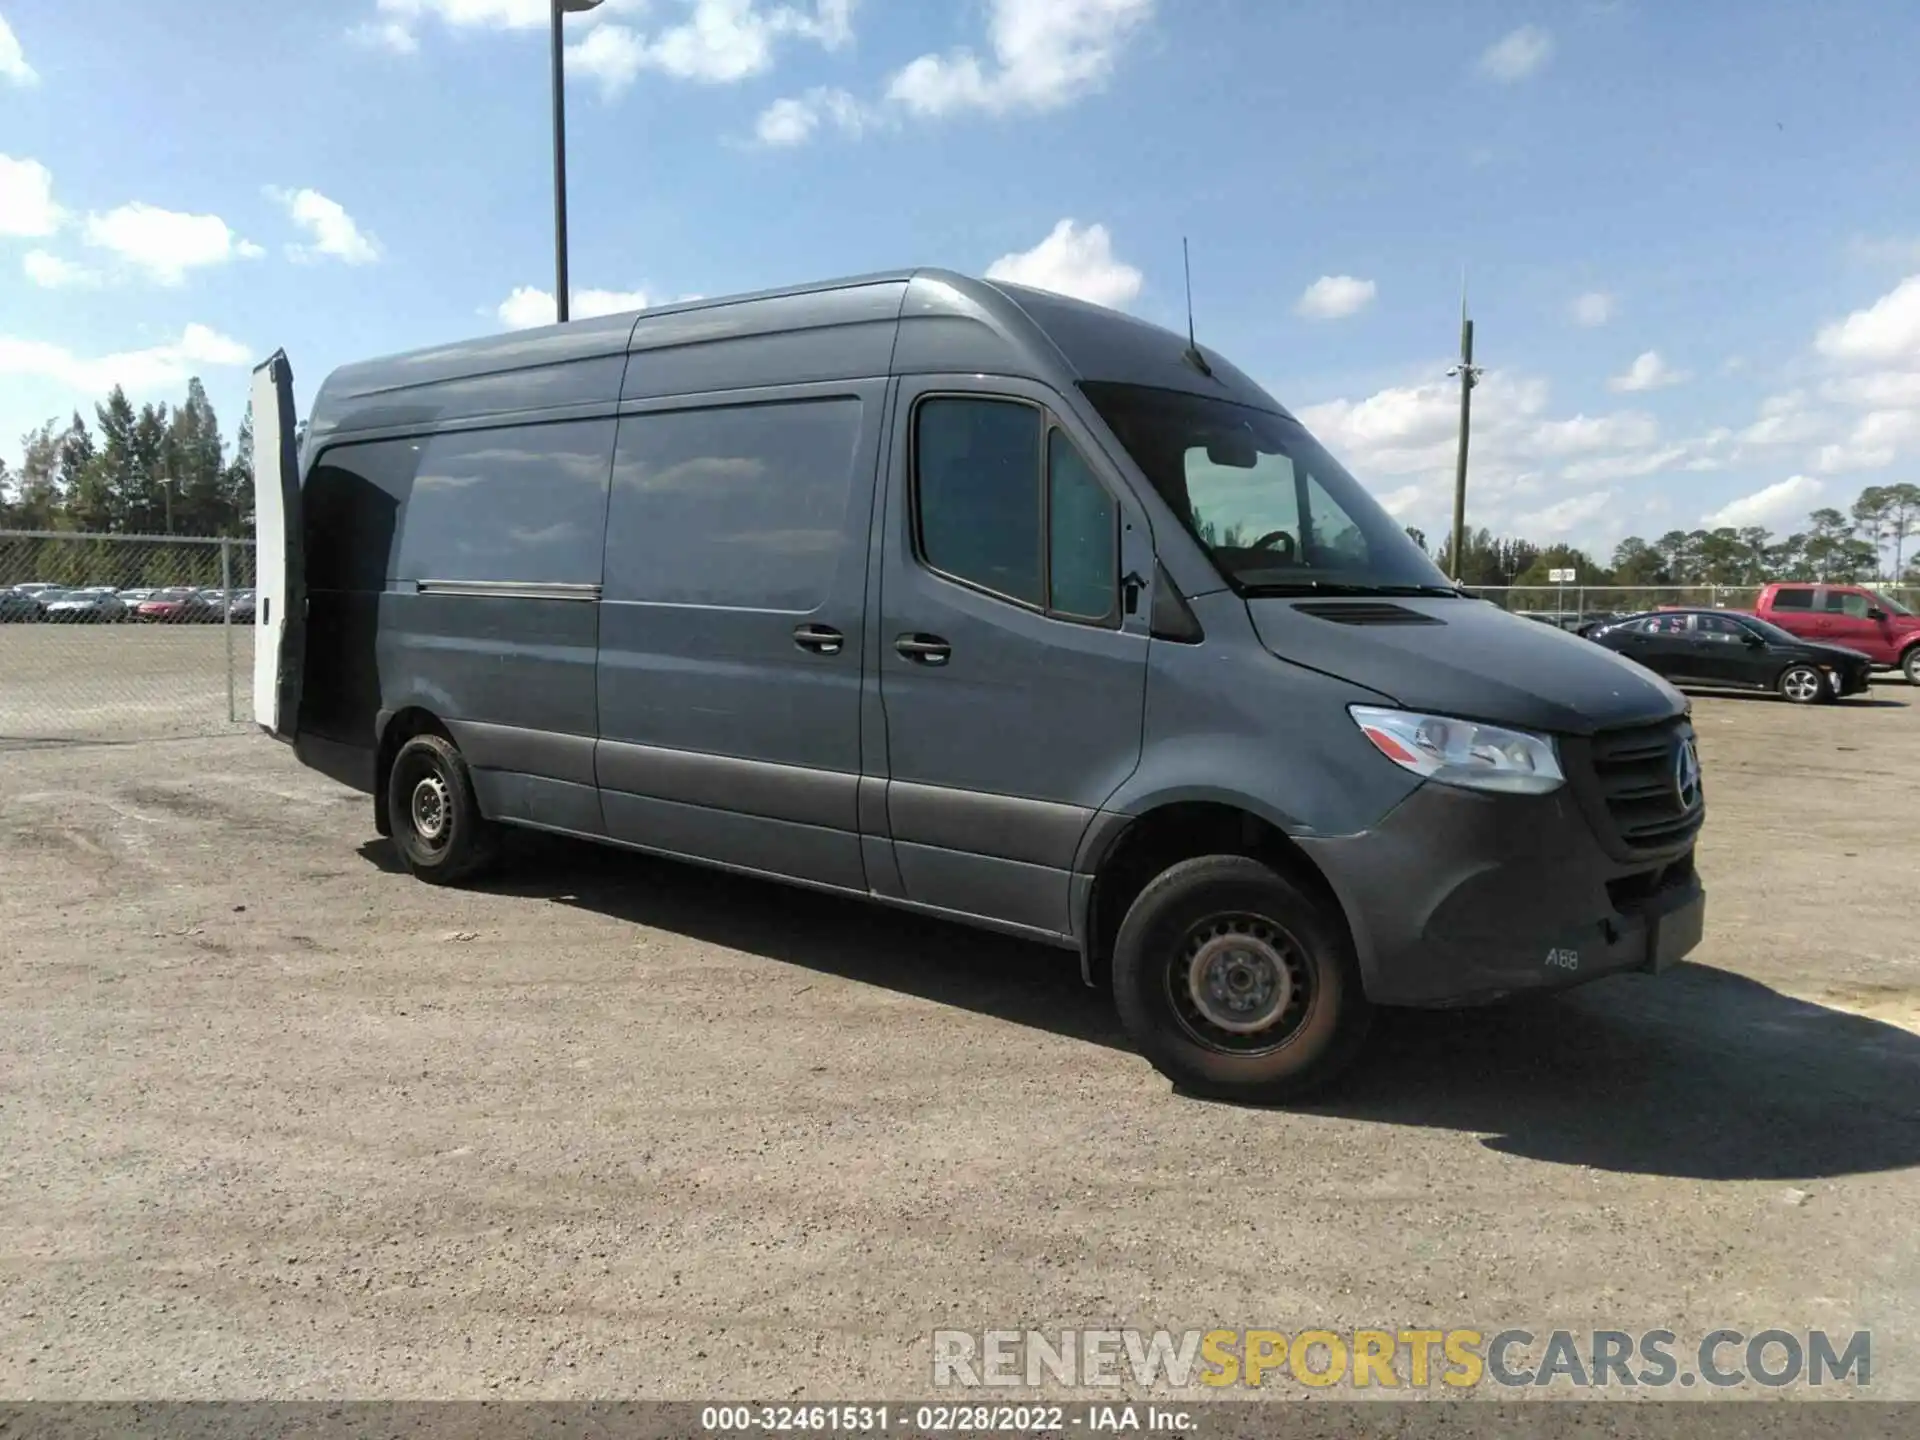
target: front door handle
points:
(821, 639)
(924, 649)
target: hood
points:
(1466, 658)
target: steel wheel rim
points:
(1802, 685)
(430, 809)
(1240, 984)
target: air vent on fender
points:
(1365, 612)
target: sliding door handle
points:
(821, 639)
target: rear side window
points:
(1007, 503)
(1845, 602)
(1793, 598)
(1720, 627)
(740, 506)
(524, 504)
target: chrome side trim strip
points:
(508, 589)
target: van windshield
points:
(1889, 604)
(1274, 509)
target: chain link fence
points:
(1571, 605)
(124, 637)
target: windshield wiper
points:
(1339, 587)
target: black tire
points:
(1797, 689)
(437, 826)
(1309, 1025)
(1910, 665)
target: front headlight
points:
(1462, 752)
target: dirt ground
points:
(281, 1122)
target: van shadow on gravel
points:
(1699, 1073)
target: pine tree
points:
(238, 482)
(194, 456)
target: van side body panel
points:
(458, 528)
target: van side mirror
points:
(1874, 612)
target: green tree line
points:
(158, 470)
(1867, 542)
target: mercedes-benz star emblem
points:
(1686, 776)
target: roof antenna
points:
(1194, 357)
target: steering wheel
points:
(1270, 541)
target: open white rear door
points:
(280, 608)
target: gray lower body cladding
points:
(1458, 898)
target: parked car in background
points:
(135, 598)
(96, 604)
(1854, 616)
(243, 608)
(18, 607)
(1729, 649)
(169, 606)
(36, 587)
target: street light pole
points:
(560, 288)
(1469, 374)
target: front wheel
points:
(437, 826)
(1236, 984)
(1910, 665)
(1803, 685)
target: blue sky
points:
(1692, 232)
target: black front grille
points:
(1636, 774)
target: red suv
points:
(1883, 630)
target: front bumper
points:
(1459, 898)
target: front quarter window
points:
(1272, 507)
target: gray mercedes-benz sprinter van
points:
(979, 601)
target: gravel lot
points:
(280, 1122)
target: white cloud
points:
(166, 243)
(399, 29)
(1779, 506)
(1648, 372)
(1876, 440)
(1046, 53)
(719, 41)
(793, 121)
(50, 272)
(1334, 297)
(1879, 389)
(333, 231)
(26, 199)
(1072, 261)
(529, 305)
(159, 367)
(1574, 512)
(1593, 308)
(385, 35)
(13, 60)
(1888, 329)
(1583, 434)
(1530, 472)
(1517, 55)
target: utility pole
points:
(1469, 374)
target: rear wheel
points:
(1910, 665)
(1803, 684)
(437, 826)
(1236, 984)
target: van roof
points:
(918, 321)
